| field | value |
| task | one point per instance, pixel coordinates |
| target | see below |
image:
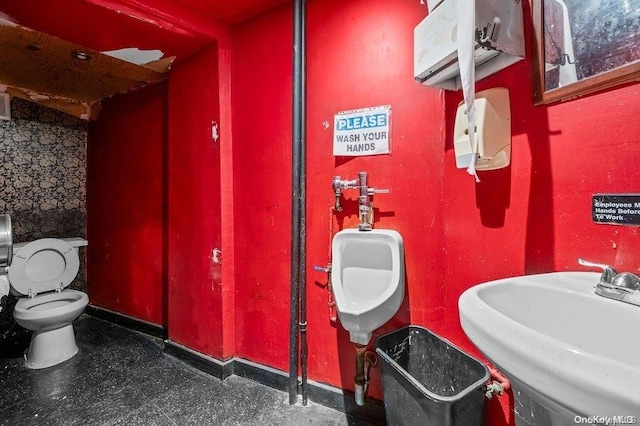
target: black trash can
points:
(427, 381)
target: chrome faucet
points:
(365, 208)
(623, 286)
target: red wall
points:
(531, 217)
(535, 216)
(126, 146)
(349, 66)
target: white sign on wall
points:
(365, 131)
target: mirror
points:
(583, 46)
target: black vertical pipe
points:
(303, 204)
(295, 203)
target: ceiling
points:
(97, 27)
(146, 24)
(232, 11)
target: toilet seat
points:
(43, 265)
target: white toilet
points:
(41, 270)
(367, 276)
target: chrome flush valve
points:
(365, 207)
(337, 191)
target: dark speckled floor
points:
(121, 377)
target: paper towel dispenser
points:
(499, 41)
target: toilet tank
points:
(75, 242)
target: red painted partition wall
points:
(155, 190)
(126, 264)
(534, 216)
(195, 288)
(261, 104)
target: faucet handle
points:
(608, 273)
(626, 280)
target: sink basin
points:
(571, 351)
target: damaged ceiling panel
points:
(66, 76)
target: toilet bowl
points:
(41, 270)
(367, 276)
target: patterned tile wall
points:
(43, 160)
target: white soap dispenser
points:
(492, 133)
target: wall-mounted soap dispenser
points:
(492, 131)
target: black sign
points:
(619, 209)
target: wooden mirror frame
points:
(621, 75)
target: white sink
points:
(574, 352)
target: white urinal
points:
(368, 279)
